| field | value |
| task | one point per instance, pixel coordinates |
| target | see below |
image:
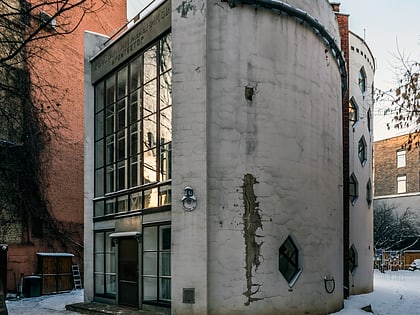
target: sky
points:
(387, 26)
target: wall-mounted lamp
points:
(189, 200)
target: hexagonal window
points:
(362, 151)
(353, 189)
(362, 80)
(369, 192)
(353, 111)
(353, 259)
(289, 261)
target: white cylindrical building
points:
(257, 134)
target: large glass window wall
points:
(133, 133)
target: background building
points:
(42, 178)
(397, 173)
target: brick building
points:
(397, 173)
(55, 82)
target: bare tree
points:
(404, 98)
(390, 228)
(29, 116)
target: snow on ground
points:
(46, 304)
(396, 293)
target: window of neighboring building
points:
(401, 184)
(362, 80)
(353, 111)
(353, 189)
(401, 158)
(353, 259)
(133, 133)
(104, 265)
(362, 151)
(289, 261)
(157, 264)
(369, 192)
(25, 12)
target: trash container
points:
(32, 286)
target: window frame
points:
(401, 158)
(353, 111)
(106, 239)
(362, 151)
(293, 259)
(362, 80)
(401, 178)
(158, 250)
(353, 182)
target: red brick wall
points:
(385, 167)
(63, 68)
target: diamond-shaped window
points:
(289, 261)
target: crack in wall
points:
(252, 222)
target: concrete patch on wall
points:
(252, 222)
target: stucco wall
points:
(361, 213)
(285, 135)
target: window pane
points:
(122, 83)
(165, 289)
(135, 144)
(110, 178)
(99, 97)
(122, 203)
(111, 284)
(110, 90)
(99, 284)
(99, 263)
(165, 195)
(110, 206)
(150, 64)
(135, 73)
(150, 263)
(166, 125)
(401, 184)
(110, 119)
(150, 238)
(149, 289)
(151, 198)
(99, 208)
(99, 182)
(149, 132)
(135, 106)
(121, 149)
(136, 201)
(165, 53)
(99, 242)
(121, 117)
(165, 90)
(109, 158)
(135, 168)
(165, 237)
(99, 125)
(149, 98)
(165, 264)
(401, 158)
(166, 162)
(99, 153)
(149, 167)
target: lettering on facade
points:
(130, 43)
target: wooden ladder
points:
(76, 277)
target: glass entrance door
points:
(128, 276)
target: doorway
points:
(128, 272)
